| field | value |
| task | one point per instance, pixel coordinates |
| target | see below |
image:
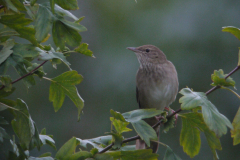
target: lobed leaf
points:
(117, 115)
(192, 125)
(7, 82)
(235, 132)
(83, 49)
(218, 78)
(119, 125)
(65, 85)
(216, 121)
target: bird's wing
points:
(137, 96)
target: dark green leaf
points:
(47, 154)
(10, 5)
(64, 34)
(39, 72)
(141, 154)
(79, 19)
(6, 33)
(7, 82)
(235, 132)
(83, 48)
(105, 140)
(32, 2)
(67, 4)
(5, 94)
(190, 134)
(103, 157)
(22, 123)
(84, 142)
(218, 78)
(6, 103)
(117, 139)
(3, 121)
(170, 122)
(145, 131)
(67, 149)
(81, 155)
(235, 31)
(170, 155)
(137, 115)
(18, 23)
(43, 23)
(3, 134)
(216, 121)
(65, 85)
(128, 148)
(6, 50)
(52, 4)
(19, 5)
(26, 50)
(60, 12)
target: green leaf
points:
(218, 78)
(60, 12)
(39, 72)
(3, 134)
(18, 23)
(52, 4)
(26, 50)
(6, 103)
(7, 82)
(3, 121)
(41, 158)
(128, 148)
(235, 132)
(32, 2)
(10, 5)
(103, 157)
(102, 140)
(47, 154)
(81, 155)
(83, 49)
(52, 54)
(6, 50)
(117, 139)
(6, 94)
(64, 34)
(192, 124)
(43, 23)
(137, 115)
(84, 142)
(18, 4)
(141, 154)
(170, 122)
(23, 124)
(65, 85)
(32, 11)
(216, 121)
(20, 65)
(170, 155)
(67, 149)
(117, 115)
(120, 126)
(45, 139)
(235, 31)
(145, 131)
(5, 33)
(67, 4)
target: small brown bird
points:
(157, 84)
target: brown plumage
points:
(157, 83)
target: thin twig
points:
(169, 116)
(28, 74)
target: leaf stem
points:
(28, 74)
(48, 79)
(230, 91)
(160, 143)
(169, 116)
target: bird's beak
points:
(132, 49)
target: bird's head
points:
(149, 54)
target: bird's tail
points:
(140, 144)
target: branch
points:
(28, 74)
(169, 116)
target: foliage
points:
(53, 20)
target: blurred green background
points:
(188, 32)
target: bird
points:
(156, 84)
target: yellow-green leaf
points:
(235, 132)
(234, 30)
(218, 78)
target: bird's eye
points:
(147, 50)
